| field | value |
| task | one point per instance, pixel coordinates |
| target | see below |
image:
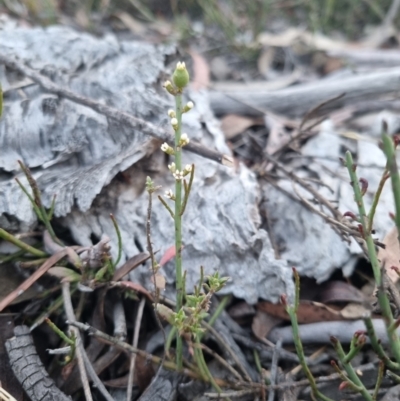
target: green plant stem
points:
(37, 200)
(379, 379)
(292, 312)
(375, 201)
(393, 376)
(11, 257)
(166, 206)
(219, 310)
(351, 167)
(60, 333)
(188, 187)
(178, 226)
(6, 236)
(390, 152)
(118, 231)
(377, 346)
(382, 297)
(353, 377)
(201, 363)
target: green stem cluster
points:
(366, 225)
(292, 312)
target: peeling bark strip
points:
(29, 370)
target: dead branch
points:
(297, 100)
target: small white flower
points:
(178, 175)
(188, 168)
(167, 84)
(189, 105)
(165, 147)
(180, 65)
(169, 194)
(171, 113)
(184, 140)
(172, 167)
(174, 121)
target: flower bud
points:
(174, 123)
(184, 140)
(181, 75)
(187, 169)
(171, 113)
(189, 106)
(167, 149)
(172, 167)
(169, 87)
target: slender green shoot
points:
(381, 371)
(292, 312)
(351, 373)
(390, 152)
(37, 203)
(6, 236)
(375, 201)
(376, 268)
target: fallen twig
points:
(111, 112)
(134, 344)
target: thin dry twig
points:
(111, 112)
(335, 212)
(156, 290)
(129, 348)
(96, 380)
(339, 223)
(224, 344)
(69, 311)
(222, 361)
(274, 369)
(119, 320)
(135, 341)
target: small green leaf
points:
(65, 274)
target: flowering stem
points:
(178, 225)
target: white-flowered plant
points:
(196, 305)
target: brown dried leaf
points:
(354, 311)
(129, 265)
(340, 291)
(233, 124)
(312, 312)
(201, 71)
(390, 256)
(159, 280)
(263, 323)
(137, 287)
